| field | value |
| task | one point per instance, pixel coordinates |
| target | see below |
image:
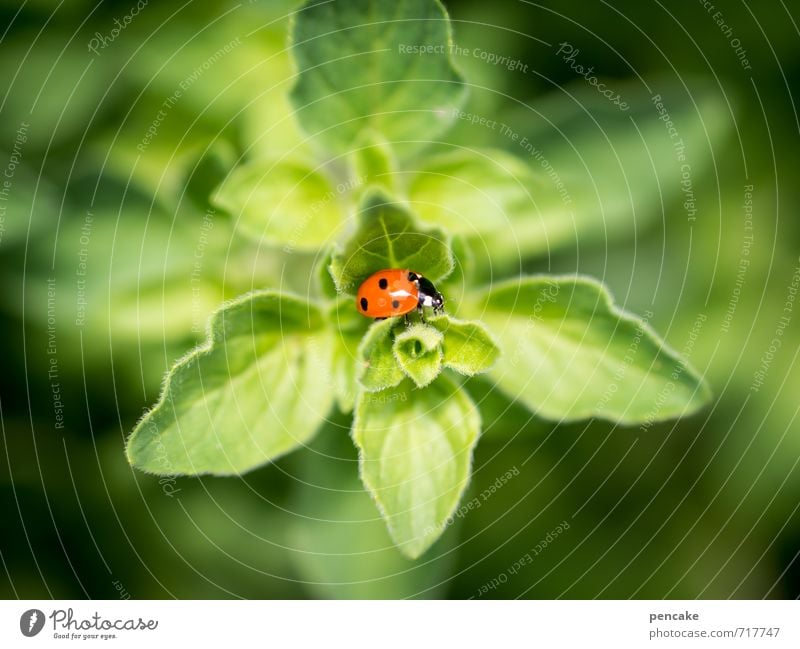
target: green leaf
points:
(609, 172)
(464, 276)
(467, 348)
(28, 203)
(347, 329)
(386, 237)
(288, 202)
(357, 73)
(375, 163)
(378, 368)
(344, 364)
(337, 540)
(474, 192)
(419, 354)
(256, 390)
(415, 456)
(569, 353)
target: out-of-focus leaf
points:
(359, 71)
(475, 192)
(53, 88)
(285, 201)
(28, 202)
(610, 172)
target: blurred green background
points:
(111, 262)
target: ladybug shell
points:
(388, 293)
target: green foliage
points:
(418, 351)
(378, 368)
(274, 365)
(607, 173)
(415, 456)
(478, 192)
(253, 392)
(569, 353)
(375, 163)
(284, 201)
(467, 347)
(388, 238)
(355, 75)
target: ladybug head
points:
(428, 295)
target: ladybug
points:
(394, 292)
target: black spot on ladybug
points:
(364, 304)
(395, 304)
(383, 282)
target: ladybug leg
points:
(379, 319)
(407, 320)
(421, 311)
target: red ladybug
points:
(394, 292)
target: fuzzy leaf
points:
(355, 73)
(347, 329)
(609, 172)
(286, 202)
(468, 348)
(419, 354)
(569, 353)
(483, 191)
(415, 456)
(256, 390)
(374, 163)
(378, 368)
(386, 237)
(344, 367)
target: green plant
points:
(371, 179)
